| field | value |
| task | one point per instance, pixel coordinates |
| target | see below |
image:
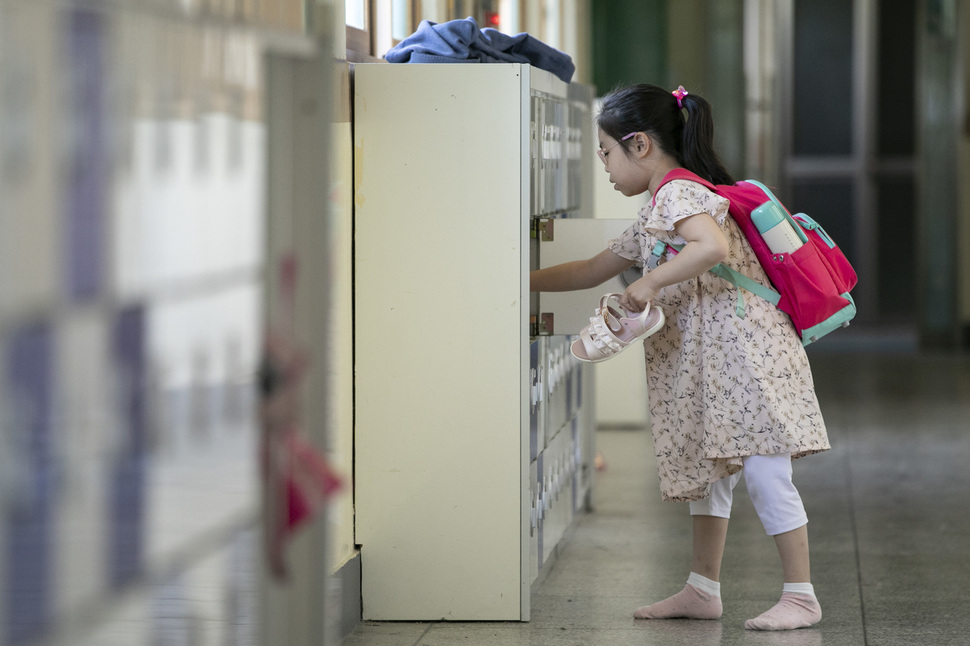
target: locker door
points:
(575, 239)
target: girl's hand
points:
(638, 295)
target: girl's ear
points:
(641, 145)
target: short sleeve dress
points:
(721, 387)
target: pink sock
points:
(689, 603)
(792, 611)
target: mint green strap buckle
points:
(656, 254)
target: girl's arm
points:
(579, 274)
(706, 246)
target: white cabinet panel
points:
(452, 395)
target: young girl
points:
(728, 395)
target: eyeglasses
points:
(603, 151)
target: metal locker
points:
(453, 395)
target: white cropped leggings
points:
(775, 499)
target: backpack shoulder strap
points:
(721, 270)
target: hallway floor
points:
(889, 527)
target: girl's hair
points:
(655, 111)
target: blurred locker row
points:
(131, 252)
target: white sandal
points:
(612, 330)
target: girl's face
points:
(625, 172)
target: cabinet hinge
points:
(545, 230)
(546, 324)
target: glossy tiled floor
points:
(890, 531)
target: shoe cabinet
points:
(473, 423)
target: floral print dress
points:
(721, 387)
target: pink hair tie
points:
(680, 93)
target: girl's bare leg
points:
(709, 536)
(793, 550)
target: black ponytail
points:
(656, 112)
(698, 141)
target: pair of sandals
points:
(614, 328)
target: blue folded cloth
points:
(461, 41)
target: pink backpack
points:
(813, 282)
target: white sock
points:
(704, 584)
(799, 588)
